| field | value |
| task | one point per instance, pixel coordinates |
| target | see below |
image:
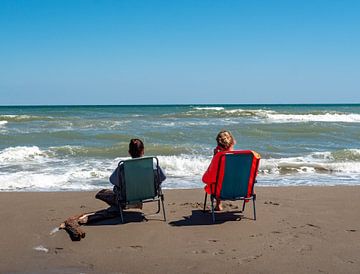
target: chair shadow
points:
(129, 217)
(198, 217)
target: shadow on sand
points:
(198, 217)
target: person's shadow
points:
(198, 217)
(129, 217)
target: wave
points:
(268, 116)
(209, 108)
(21, 153)
(2, 123)
(345, 161)
(25, 118)
(324, 117)
(35, 169)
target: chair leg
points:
(243, 208)
(205, 201)
(121, 213)
(254, 198)
(212, 208)
(162, 202)
(158, 209)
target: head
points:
(136, 148)
(225, 140)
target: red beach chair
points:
(235, 178)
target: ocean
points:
(75, 148)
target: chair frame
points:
(214, 188)
(159, 197)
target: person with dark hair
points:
(72, 224)
(136, 150)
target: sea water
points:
(63, 148)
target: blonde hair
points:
(225, 139)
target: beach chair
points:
(141, 183)
(235, 179)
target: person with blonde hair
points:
(225, 142)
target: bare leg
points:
(218, 205)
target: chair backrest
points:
(140, 179)
(239, 174)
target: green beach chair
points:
(141, 182)
(235, 179)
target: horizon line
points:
(185, 104)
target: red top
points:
(209, 177)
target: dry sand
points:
(298, 230)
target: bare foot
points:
(218, 207)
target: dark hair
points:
(136, 148)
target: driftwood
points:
(72, 224)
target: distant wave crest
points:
(24, 118)
(323, 117)
(272, 116)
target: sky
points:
(81, 52)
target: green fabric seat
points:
(140, 180)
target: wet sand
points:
(298, 230)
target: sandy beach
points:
(298, 230)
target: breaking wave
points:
(25, 118)
(270, 116)
(34, 169)
(324, 117)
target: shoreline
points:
(298, 229)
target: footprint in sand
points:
(351, 230)
(304, 249)
(249, 259)
(231, 206)
(203, 251)
(136, 247)
(58, 249)
(219, 252)
(271, 203)
(255, 235)
(312, 225)
(193, 205)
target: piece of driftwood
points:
(72, 224)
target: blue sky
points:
(178, 52)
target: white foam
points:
(326, 117)
(183, 171)
(184, 165)
(314, 163)
(21, 153)
(209, 108)
(251, 112)
(21, 117)
(3, 123)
